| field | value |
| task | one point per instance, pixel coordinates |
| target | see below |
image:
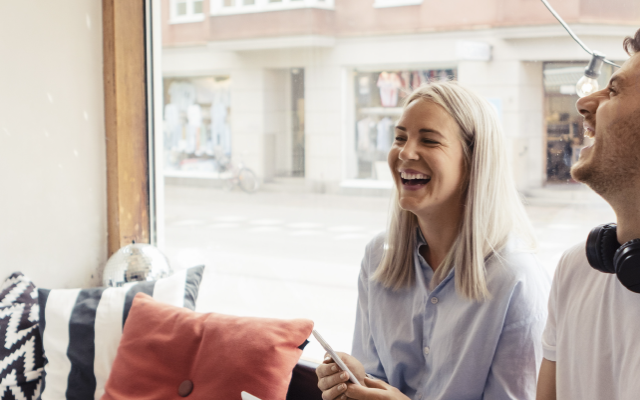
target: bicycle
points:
(237, 175)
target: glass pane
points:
(275, 155)
(379, 98)
(181, 8)
(565, 134)
(197, 7)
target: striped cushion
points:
(81, 330)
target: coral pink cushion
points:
(163, 346)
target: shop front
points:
(379, 96)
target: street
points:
(297, 255)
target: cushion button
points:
(185, 388)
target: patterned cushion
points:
(81, 330)
(21, 358)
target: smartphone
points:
(336, 358)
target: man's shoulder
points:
(573, 265)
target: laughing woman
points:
(452, 302)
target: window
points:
(185, 11)
(565, 134)
(225, 7)
(307, 99)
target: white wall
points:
(53, 223)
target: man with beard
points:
(591, 344)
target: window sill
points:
(187, 19)
(395, 3)
(269, 8)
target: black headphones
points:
(607, 255)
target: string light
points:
(589, 82)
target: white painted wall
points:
(53, 223)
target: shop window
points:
(378, 103)
(197, 133)
(564, 131)
(395, 3)
(183, 11)
(225, 7)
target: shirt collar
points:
(424, 267)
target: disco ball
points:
(135, 262)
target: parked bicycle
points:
(237, 175)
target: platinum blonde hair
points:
(493, 208)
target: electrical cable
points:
(573, 35)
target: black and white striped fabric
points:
(21, 357)
(81, 330)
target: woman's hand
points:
(332, 381)
(375, 390)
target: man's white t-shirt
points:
(592, 332)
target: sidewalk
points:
(283, 254)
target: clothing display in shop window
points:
(389, 83)
(405, 82)
(365, 127)
(384, 130)
(172, 126)
(418, 79)
(364, 91)
(182, 94)
(220, 128)
(194, 122)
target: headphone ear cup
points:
(627, 265)
(602, 244)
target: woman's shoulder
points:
(373, 252)
(518, 274)
(514, 261)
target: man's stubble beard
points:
(616, 161)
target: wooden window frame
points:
(127, 122)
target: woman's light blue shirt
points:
(437, 345)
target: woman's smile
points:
(413, 180)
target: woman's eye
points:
(429, 141)
(400, 139)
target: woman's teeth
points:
(405, 175)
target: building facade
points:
(310, 88)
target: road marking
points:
(266, 222)
(345, 228)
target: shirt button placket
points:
(434, 300)
(426, 350)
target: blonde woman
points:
(450, 305)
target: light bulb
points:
(586, 86)
(588, 83)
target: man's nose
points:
(588, 105)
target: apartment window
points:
(225, 7)
(184, 11)
(395, 3)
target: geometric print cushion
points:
(81, 330)
(21, 360)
